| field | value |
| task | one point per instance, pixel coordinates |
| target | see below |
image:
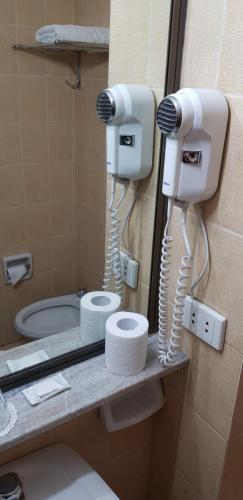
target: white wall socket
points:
(129, 269)
(204, 322)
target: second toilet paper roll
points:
(126, 343)
(95, 308)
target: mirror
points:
(52, 169)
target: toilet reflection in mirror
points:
(54, 188)
(53, 200)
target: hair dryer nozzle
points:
(105, 106)
(169, 116)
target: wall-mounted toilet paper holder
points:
(17, 268)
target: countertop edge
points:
(88, 391)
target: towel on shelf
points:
(72, 33)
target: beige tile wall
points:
(165, 430)
(51, 158)
(231, 482)
(37, 208)
(213, 59)
(90, 169)
(90, 155)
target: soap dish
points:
(132, 408)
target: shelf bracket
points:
(77, 72)
(61, 47)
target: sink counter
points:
(91, 386)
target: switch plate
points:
(129, 269)
(204, 322)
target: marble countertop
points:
(91, 386)
(54, 345)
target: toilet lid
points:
(58, 473)
(49, 316)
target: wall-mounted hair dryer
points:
(128, 112)
(194, 123)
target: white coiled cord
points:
(164, 285)
(112, 261)
(168, 355)
(109, 254)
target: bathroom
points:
(54, 208)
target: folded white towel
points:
(72, 33)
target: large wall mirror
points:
(53, 184)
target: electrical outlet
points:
(204, 322)
(129, 269)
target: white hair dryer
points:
(128, 112)
(194, 123)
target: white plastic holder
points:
(22, 259)
(132, 408)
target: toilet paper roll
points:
(95, 308)
(126, 343)
(16, 273)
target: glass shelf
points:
(60, 46)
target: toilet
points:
(56, 473)
(49, 316)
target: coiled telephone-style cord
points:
(163, 291)
(168, 352)
(112, 261)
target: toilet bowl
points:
(48, 317)
(58, 473)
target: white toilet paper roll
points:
(95, 308)
(16, 273)
(126, 343)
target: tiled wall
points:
(90, 155)
(45, 174)
(213, 58)
(140, 28)
(231, 483)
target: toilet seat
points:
(58, 473)
(49, 316)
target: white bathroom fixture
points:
(194, 122)
(17, 268)
(132, 408)
(128, 112)
(204, 322)
(49, 316)
(58, 473)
